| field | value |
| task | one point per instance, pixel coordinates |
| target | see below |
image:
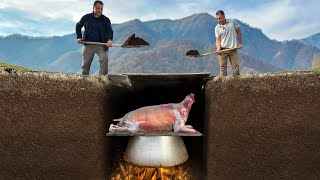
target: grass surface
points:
(12, 66)
(316, 69)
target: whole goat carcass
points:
(164, 117)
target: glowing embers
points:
(132, 172)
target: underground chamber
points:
(166, 155)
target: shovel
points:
(131, 42)
(195, 53)
(115, 45)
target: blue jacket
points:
(106, 31)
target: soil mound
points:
(133, 41)
(192, 53)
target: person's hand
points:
(109, 43)
(239, 46)
(218, 51)
(79, 40)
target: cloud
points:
(38, 17)
(118, 10)
(13, 21)
(52, 9)
(281, 20)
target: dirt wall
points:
(263, 126)
(52, 126)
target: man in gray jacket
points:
(228, 35)
(97, 28)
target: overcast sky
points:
(278, 19)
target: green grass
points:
(13, 66)
(316, 69)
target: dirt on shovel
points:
(134, 41)
(192, 53)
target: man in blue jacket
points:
(97, 28)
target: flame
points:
(127, 171)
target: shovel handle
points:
(100, 43)
(209, 53)
(225, 50)
(95, 43)
(117, 45)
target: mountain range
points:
(169, 41)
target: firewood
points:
(123, 170)
(150, 173)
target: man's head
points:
(220, 17)
(97, 8)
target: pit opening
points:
(154, 89)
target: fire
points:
(127, 171)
